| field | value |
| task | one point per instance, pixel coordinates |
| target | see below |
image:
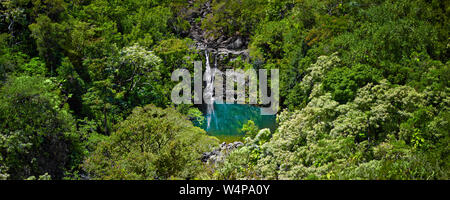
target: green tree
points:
(50, 38)
(38, 133)
(152, 143)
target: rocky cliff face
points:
(224, 47)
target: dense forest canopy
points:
(85, 88)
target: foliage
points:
(363, 86)
(233, 17)
(196, 116)
(242, 163)
(151, 143)
(381, 134)
(343, 82)
(38, 134)
(250, 129)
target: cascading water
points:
(228, 119)
(209, 90)
(222, 119)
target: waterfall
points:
(222, 118)
(209, 90)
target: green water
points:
(228, 119)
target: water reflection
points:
(228, 119)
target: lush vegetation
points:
(85, 89)
(151, 143)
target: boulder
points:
(223, 145)
(237, 44)
(206, 156)
(237, 144)
(218, 154)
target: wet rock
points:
(206, 156)
(223, 145)
(220, 40)
(237, 144)
(237, 44)
(218, 154)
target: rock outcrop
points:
(219, 153)
(222, 45)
